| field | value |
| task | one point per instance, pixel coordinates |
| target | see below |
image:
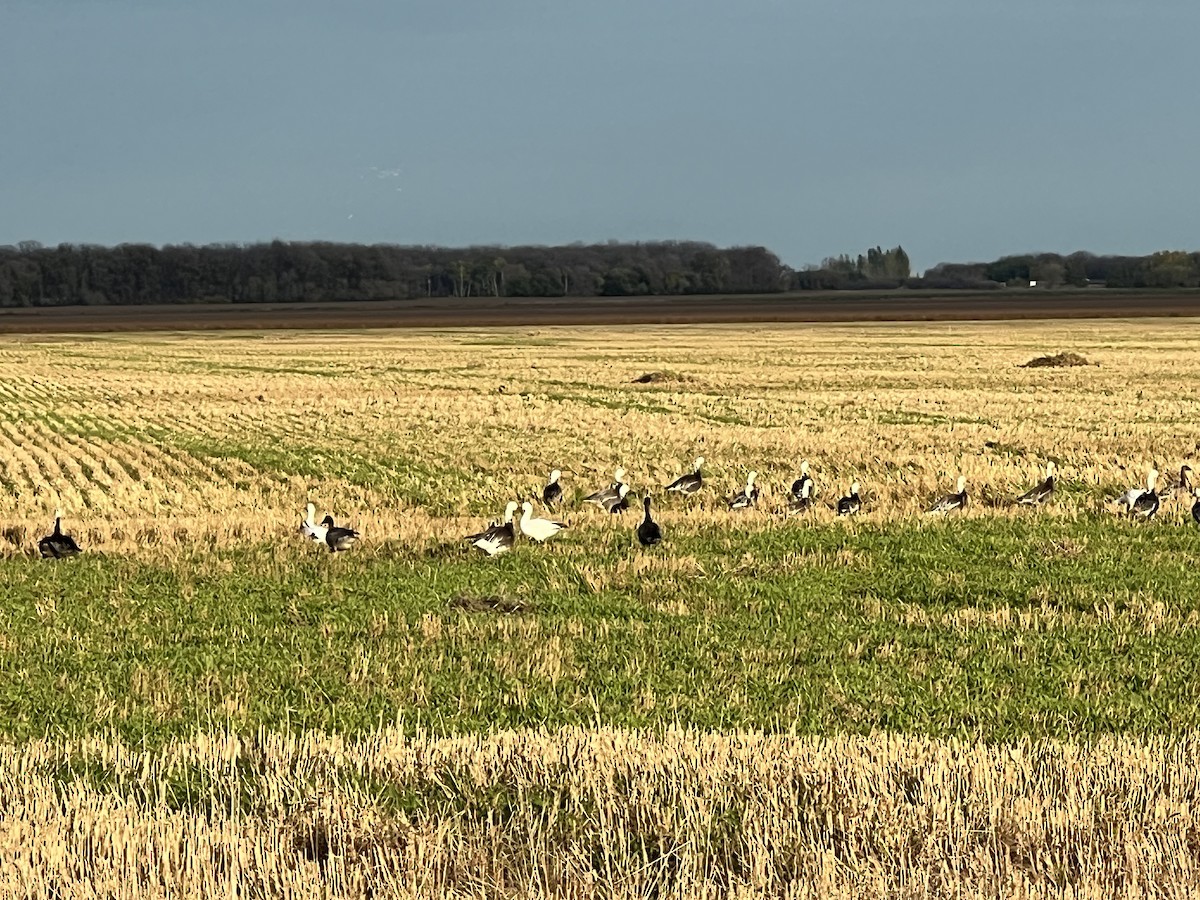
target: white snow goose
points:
(1147, 502)
(805, 480)
(747, 496)
(648, 533)
(337, 538)
(309, 527)
(691, 482)
(606, 495)
(618, 504)
(498, 537)
(553, 491)
(536, 529)
(798, 503)
(951, 502)
(1040, 493)
(57, 545)
(851, 503)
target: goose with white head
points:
(803, 482)
(57, 545)
(802, 502)
(691, 482)
(309, 527)
(1147, 502)
(499, 537)
(619, 503)
(951, 502)
(747, 496)
(607, 495)
(1040, 493)
(538, 529)
(851, 504)
(552, 492)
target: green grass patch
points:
(982, 628)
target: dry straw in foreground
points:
(599, 813)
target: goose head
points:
(328, 522)
(750, 481)
(510, 511)
(698, 463)
(854, 489)
(646, 503)
(804, 467)
(526, 510)
(961, 484)
(310, 513)
(1051, 468)
(555, 475)
(619, 475)
(1151, 479)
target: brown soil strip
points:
(488, 311)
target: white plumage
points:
(537, 529)
(309, 527)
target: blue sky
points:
(960, 130)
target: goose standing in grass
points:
(1130, 497)
(747, 496)
(553, 491)
(536, 529)
(691, 482)
(610, 493)
(1040, 493)
(309, 527)
(498, 537)
(648, 533)
(851, 503)
(1183, 486)
(802, 502)
(1196, 507)
(1147, 502)
(338, 538)
(618, 504)
(57, 545)
(957, 500)
(803, 482)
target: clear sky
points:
(961, 130)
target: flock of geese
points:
(500, 537)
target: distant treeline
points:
(71, 274)
(880, 269)
(67, 275)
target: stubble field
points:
(197, 616)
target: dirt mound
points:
(659, 378)
(1058, 361)
(488, 603)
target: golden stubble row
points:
(600, 812)
(132, 435)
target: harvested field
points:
(1000, 702)
(160, 442)
(601, 813)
